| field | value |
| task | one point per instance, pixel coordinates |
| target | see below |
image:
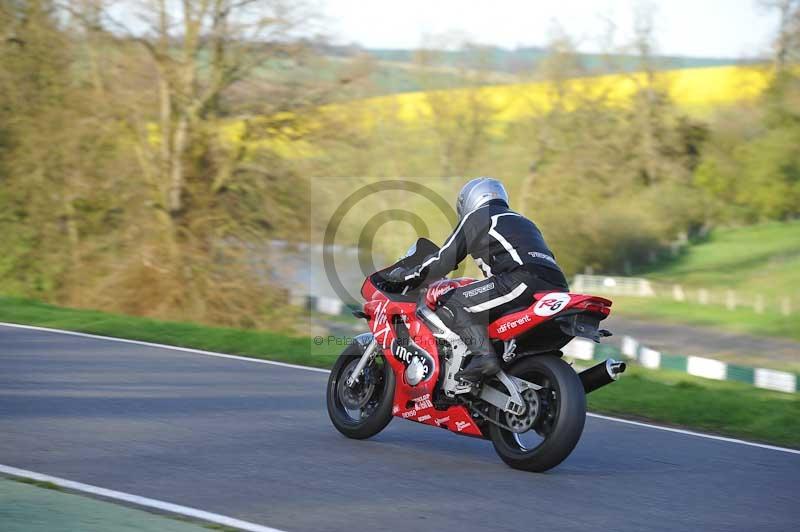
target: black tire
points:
(559, 423)
(379, 411)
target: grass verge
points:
(729, 408)
(251, 343)
(38, 483)
(723, 407)
(41, 509)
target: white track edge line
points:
(320, 370)
(138, 500)
(698, 434)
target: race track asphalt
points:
(253, 441)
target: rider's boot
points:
(484, 361)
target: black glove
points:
(398, 275)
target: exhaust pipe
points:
(601, 374)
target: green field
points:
(523, 61)
(756, 259)
(750, 261)
(724, 407)
(396, 71)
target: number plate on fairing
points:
(583, 325)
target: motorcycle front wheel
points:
(553, 423)
(364, 409)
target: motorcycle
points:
(533, 411)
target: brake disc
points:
(532, 411)
(524, 422)
(355, 397)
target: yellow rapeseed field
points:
(697, 90)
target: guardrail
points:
(305, 279)
(621, 286)
(632, 349)
(731, 299)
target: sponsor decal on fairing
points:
(513, 324)
(380, 319)
(461, 425)
(440, 289)
(418, 363)
(423, 402)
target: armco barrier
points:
(770, 379)
(631, 348)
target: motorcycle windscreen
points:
(421, 249)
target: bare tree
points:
(787, 42)
(193, 84)
(461, 111)
(56, 147)
(199, 49)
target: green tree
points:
(753, 168)
(38, 229)
(627, 166)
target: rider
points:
(514, 257)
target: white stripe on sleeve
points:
(500, 238)
(496, 302)
(447, 244)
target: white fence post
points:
(630, 347)
(630, 286)
(786, 306)
(702, 296)
(730, 300)
(580, 349)
(677, 293)
(329, 305)
(640, 287)
(649, 358)
(707, 368)
(781, 381)
(758, 304)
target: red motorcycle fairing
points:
(412, 401)
(546, 305)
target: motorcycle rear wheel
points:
(559, 421)
(365, 409)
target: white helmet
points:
(477, 192)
